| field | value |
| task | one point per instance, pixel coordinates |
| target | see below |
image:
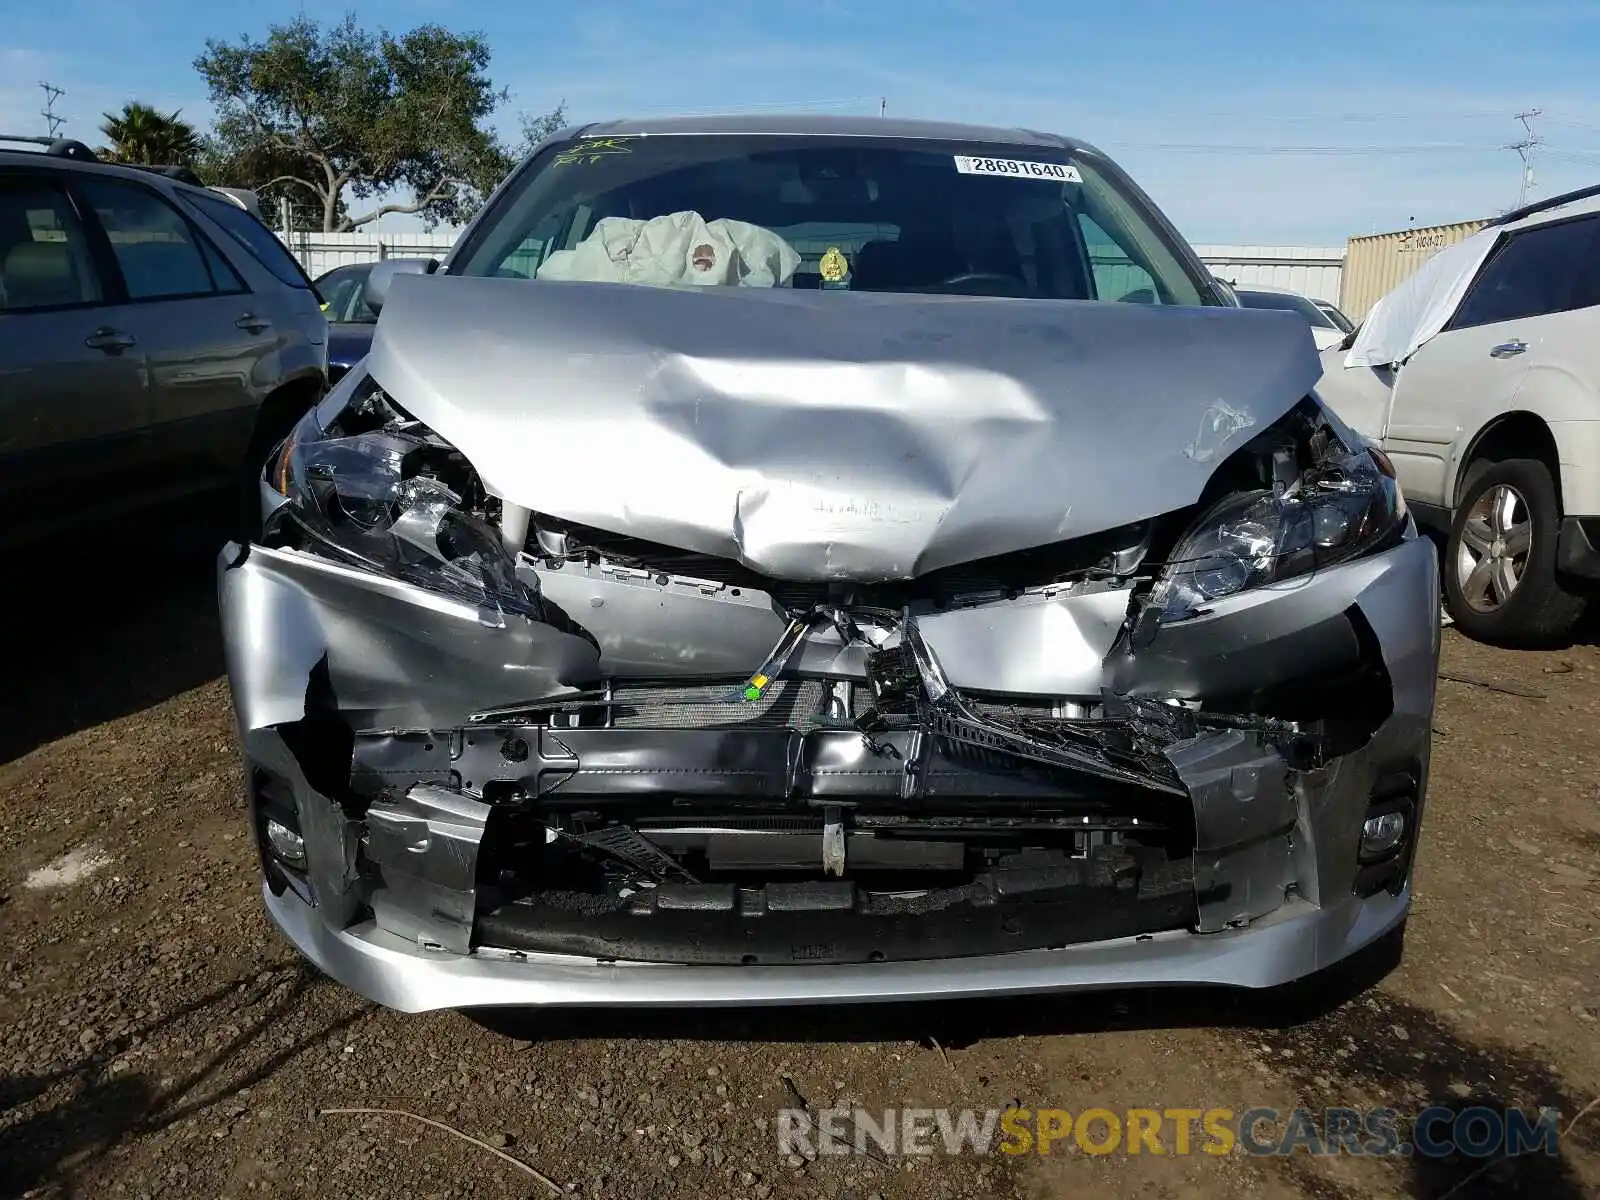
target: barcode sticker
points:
(966, 164)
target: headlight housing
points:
(374, 488)
(1345, 504)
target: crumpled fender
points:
(395, 655)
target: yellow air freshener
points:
(834, 268)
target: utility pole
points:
(51, 94)
(1525, 148)
(883, 105)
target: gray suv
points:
(155, 339)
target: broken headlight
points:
(1345, 505)
(376, 489)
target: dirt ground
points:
(157, 1038)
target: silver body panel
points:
(1287, 858)
(1051, 641)
(845, 437)
(823, 435)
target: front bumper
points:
(337, 673)
(1288, 944)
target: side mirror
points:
(376, 289)
(1224, 292)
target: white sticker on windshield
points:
(966, 164)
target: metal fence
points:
(320, 252)
(1312, 270)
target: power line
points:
(1279, 148)
(1256, 116)
(1580, 157)
(1570, 123)
(1525, 148)
(51, 94)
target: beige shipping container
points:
(1373, 265)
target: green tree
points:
(499, 163)
(337, 113)
(145, 135)
(536, 128)
(270, 173)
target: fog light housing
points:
(1382, 834)
(1388, 834)
(286, 845)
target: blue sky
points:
(1249, 121)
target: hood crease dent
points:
(834, 435)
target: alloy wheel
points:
(1492, 554)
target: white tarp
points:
(679, 249)
(1419, 307)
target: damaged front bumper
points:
(495, 813)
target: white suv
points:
(1480, 377)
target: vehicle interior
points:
(904, 218)
(40, 266)
(344, 301)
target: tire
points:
(244, 523)
(1499, 565)
(277, 417)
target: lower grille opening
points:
(752, 888)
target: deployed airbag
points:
(680, 249)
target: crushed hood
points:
(834, 435)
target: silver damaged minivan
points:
(796, 560)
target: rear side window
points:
(255, 237)
(1586, 289)
(343, 296)
(44, 254)
(157, 250)
(1532, 273)
(1300, 305)
(227, 279)
(1340, 321)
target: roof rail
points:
(1539, 206)
(68, 148)
(243, 197)
(60, 147)
(180, 173)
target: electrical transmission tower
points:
(1525, 148)
(51, 94)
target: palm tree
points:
(142, 134)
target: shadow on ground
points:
(1414, 1060)
(84, 1110)
(1587, 631)
(1334, 1035)
(88, 647)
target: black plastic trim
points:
(836, 922)
(1433, 517)
(1576, 551)
(515, 764)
